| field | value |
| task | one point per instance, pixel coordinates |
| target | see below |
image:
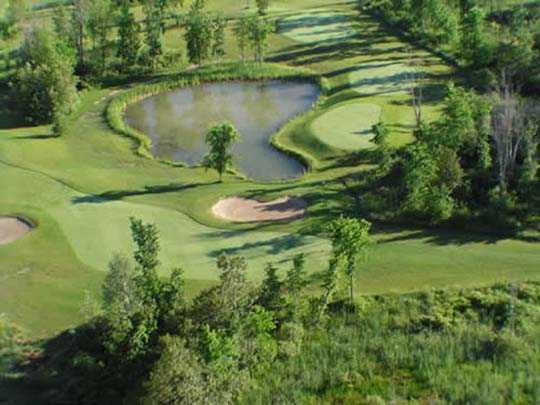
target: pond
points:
(177, 122)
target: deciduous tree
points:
(220, 139)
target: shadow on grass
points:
(120, 194)
(271, 246)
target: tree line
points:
(90, 39)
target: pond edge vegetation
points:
(115, 110)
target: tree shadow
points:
(272, 246)
(113, 195)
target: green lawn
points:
(83, 187)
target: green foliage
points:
(271, 288)
(241, 31)
(13, 19)
(44, 87)
(198, 33)
(129, 44)
(154, 32)
(220, 139)
(259, 28)
(262, 6)
(350, 240)
(219, 24)
(177, 377)
(100, 19)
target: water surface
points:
(178, 121)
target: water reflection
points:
(178, 121)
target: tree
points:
(129, 42)
(511, 124)
(177, 377)
(219, 23)
(198, 33)
(474, 45)
(241, 31)
(100, 17)
(350, 240)
(44, 87)
(79, 20)
(295, 282)
(220, 138)
(153, 22)
(380, 139)
(259, 29)
(270, 291)
(118, 290)
(222, 306)
(262, 6)
(14, 17)
(146, 239)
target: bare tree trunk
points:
(416, 77)
(510, 124)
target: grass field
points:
(82, 188)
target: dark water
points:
(177, 122)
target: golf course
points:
(133, 148)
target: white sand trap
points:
(13, 228)
(239, 209)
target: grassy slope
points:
(61, 183)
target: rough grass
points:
(347, 127)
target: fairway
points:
(80, 189)
(317, 26)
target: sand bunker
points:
(248, 210)
(13, 228)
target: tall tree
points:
(259, 30)
(219, 23)
(270, 292)
(79, 19)
(100, 19)
(45, 85)
(129, 42)
(198, 33)
(153, 10)
(241, 31)
(220, 139)
(350, 240)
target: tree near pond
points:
(241, 31)
(100, 18)
(350, 241)
(259, 29)
(220, 139)
(219, 23)
(198, 33)
(128, 42)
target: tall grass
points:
(480, 346)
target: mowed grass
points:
(83, 187)
(347, 127)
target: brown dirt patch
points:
(13, 228)
(240, 209)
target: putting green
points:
(382, 78)
(318, 25)
(347, 127)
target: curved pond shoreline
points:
(176, 122)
